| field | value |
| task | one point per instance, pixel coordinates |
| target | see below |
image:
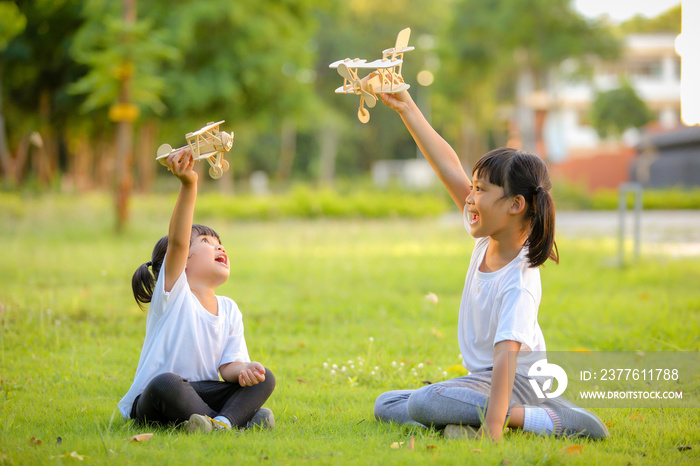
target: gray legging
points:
(170, 399)
(458, 401)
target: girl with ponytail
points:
(194, 370)
(508, 210)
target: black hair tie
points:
(539, 190)
(149, 263)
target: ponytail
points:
(524, 174)
(144, 280)
(540, 241)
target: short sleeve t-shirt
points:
(498, 306)
(184, 338)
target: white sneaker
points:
(198, 423)
(577, 422)
(264, 418)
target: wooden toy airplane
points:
(206, 143)
(385, 79)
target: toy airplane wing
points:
(401, 43)
(350, 63)
(203, 130)
(383, 64)
(206, 155)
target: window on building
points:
(645, 69)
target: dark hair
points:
(521, 173)
(144, 280)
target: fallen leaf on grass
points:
(609, 424)
(139, 438)
(685, 447)
(34, 441)
(477, 450)
(411, 443)
(637, 417)
(73, 454)
(573, 450)
(300, 380)
(431, 447)
(396, 445)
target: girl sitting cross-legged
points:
(193, 335)
(508, 209)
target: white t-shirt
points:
(184, 338)
(498, 306)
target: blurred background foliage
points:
(79, 77)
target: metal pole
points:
(625, 188)
(621, 207)
(637, 219)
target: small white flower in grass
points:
(371, 339)
(372, 373)
(332, 372)
(393, 364)
(352, 366)
(349, 362)
(444, 374)
(401, 364)
(343, 369)
(335, 366)
(360, 362)
(420, 366)
(325, 365)
(376, 368)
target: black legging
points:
(170, 399)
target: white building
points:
(651, 66)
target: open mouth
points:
(473, 218)
(222, 259)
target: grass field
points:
(349, 293)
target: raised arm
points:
(181, 164)
(436, 150)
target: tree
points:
(123, 55)
(36, 70)
(498, 51)
(668, 21)
(616, 110)
(12, 23)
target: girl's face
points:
(208, 261)
(486, 210)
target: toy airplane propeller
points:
(385, 79)
(206, 143)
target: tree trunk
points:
(46, 142)
(5, 159)
(124, 144)
(288, 149)
(329, 150)
(145, 153)
(124, 139)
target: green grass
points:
(311, 292)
